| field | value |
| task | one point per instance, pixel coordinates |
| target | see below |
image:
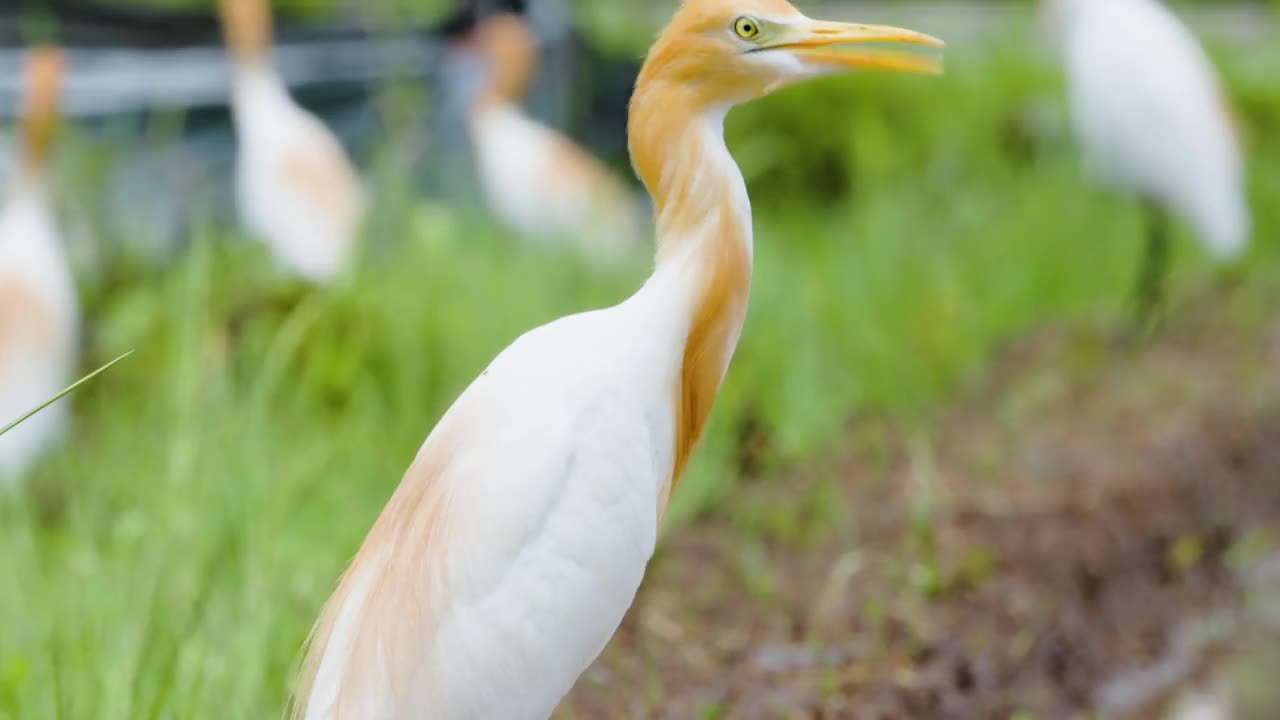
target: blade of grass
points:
(56, 666)
(64, 393)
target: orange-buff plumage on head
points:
(715, 55)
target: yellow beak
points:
(856, 46)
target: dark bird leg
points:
(1149, 294)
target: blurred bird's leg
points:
(1149, 299)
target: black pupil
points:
(748, 28)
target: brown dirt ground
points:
(1054, 544)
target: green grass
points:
(168, 561)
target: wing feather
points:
(364, 648)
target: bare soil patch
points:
(1080, 533)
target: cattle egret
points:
(39, 314)
(295, 186)
(538, 182)
(519, 535)
(1154, 122)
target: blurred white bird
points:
(538, 182)
(39, 313)
(518, 538)
(295, 186)
(1153, 121)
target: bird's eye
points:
(746, 28)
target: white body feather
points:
(1151, 116)
(529, 176)
(39, 332)
(295, 186)
(555, 507)
(554, 494)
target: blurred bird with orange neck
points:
(519, 535)
(39, 310)
(538, 182)
(296, 188)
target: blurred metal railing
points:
(107, 81)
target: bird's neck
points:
(39, 126)
(501, 92)
(257, 84)
(704, 242)
(508, 83)
(487, 107)
(38, 243)
(247, 27)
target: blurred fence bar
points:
(108, 81)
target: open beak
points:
(853, 46)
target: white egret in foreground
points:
(518, 537)
(1153, 121)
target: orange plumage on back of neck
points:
(44, 72)
(699, 221)
(247, 26)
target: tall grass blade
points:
(64, 393)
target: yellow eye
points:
(746, 28)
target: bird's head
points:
(509, 50)
(732, 51)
